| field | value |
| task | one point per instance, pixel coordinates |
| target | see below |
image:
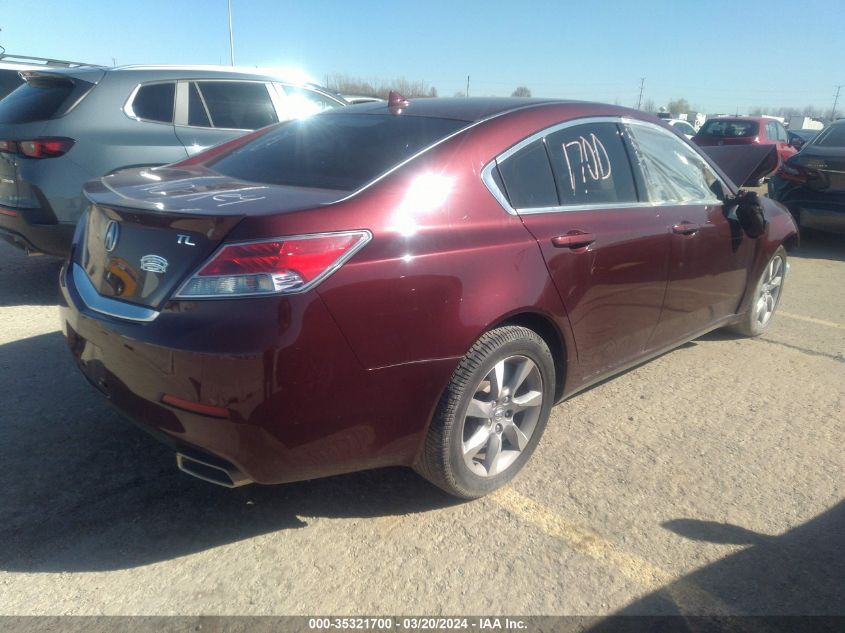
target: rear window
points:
(833, 136)
(333, 151)
(729, 128)
(36, 100)
(9, 80)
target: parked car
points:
(411, 283)
(745, 130)
(681, 126)
(66, 126)
(12, 65)
(812, 183)
(798, 138)
(354, 99)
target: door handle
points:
(685, 228)
(573, 239)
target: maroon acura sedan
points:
(406, 284)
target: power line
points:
(640, 99)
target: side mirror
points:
(797, 143)
(749, 213)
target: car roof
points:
(165, 72)
(459, 108)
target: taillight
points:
(797, 173)
(277, 266)
(38, 148)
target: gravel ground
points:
(709, 480)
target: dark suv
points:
(63, 127)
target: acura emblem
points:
(154, 264)
(110, 238)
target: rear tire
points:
(766, 297)
(492, 414)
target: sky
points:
(720, 56)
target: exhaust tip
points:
(226, 476)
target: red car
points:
(406, 283)
(745, 131)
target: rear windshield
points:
(333, 151)
(9, 80)
(35, 101)
(728, 128)
(833, 136)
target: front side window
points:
(527, 176)
(673, 171)
(197, 112)
(303, 102)
(591, 165)
(238, 105)
(154, 102)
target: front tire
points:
(766, 297)
(492, 414)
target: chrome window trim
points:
(104, 305)
(490, 183)
(129, 112)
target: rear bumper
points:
(52, 239)
(298, 403)
(819, 209)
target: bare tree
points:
(678, 106)
(648, 106)
(345, 84)
(521, 91)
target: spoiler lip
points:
(743, 163)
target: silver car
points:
(63, 127)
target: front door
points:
(709, 256)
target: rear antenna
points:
(396, 102)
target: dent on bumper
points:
(300, 404)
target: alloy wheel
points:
(502, 415)
(769, 292)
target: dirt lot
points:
(707, 481)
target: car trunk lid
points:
(148, 229)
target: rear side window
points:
(673, 171)
(527, 176)
(591, 165)
(833, 136)
(36, 100)
(154, 102)
(728, 128)
(238, 105)
(333, 151)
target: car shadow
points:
(87, 491)
(820, 245)
(798, 572)
(28, 280)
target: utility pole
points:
(640, 100)
(231, 36)
(467, 85)
(835, 101)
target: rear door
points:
(709, 254)
(210, 112)
(607, 252)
